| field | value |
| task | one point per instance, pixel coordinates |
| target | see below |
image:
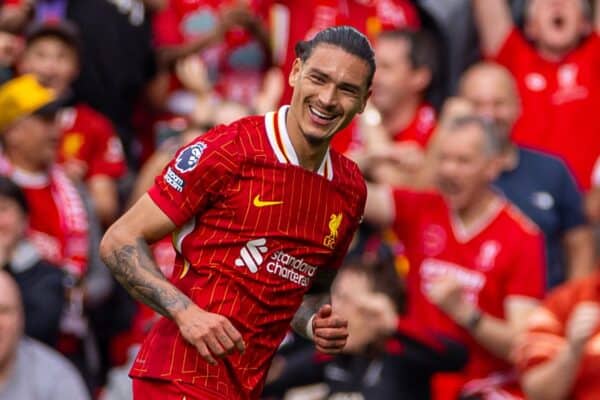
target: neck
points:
(310, 154)
(554, 55)
(473, 212)
(510, 157)
(23, 163)
(7, 366)
(398, 119)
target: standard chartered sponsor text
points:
(294, 269)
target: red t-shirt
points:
(237, 64)
(292, 21)
(88, 136)
(560, 101)
(546, 332)
(58, 221)
(255, 228)
(503, 257)
(419, 130)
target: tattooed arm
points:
(125, 251)
(316, 320)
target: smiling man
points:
(263, 213)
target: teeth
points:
(320, 114)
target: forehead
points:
(50, 41)
(465, 140)
(338, 64)
(392, 47)
(488, 84)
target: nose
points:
(328, 95)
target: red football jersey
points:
(292, 21)
(237, 64)
(88, 136)
(503, 256)
(560, 101)
(419, 130)
(255, 228)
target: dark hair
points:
(347, 38)
(382, 275)
(423, 52)
(10, 190)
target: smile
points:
(322, 115)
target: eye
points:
(317, 79)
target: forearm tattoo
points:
(134, 268)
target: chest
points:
(558, 84)
(284, 200)
(479, 262)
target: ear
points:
(494, 168)
(365, 100)
(295, 72)
(421, 79)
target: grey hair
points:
(492, 134)
(586, 7)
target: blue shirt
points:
(545, 190)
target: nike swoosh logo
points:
(257, 202)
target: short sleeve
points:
(512, 51)
(527, 274)
(197, 175)
(108, 158)
(165, 25)
(571, 204)
(406, 205)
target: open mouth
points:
(321, 116)
(558, 22)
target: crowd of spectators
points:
(475, 272)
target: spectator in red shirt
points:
(476, 263)
(90, 149)
(558, 355)
(555, 63)
(398, 126)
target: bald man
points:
(28, 369)
(540, 185)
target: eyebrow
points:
(342, 85)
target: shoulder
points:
(240, 136)
(520, 222)
(34, 352)
(530, 155)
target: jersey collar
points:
(281, 143)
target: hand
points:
(192, 74)
(330, 331)
(582, 324)
(447, 293)
(212, 334)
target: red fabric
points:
(58, 221)
(419, 130)
(505, 257)
(154, 389)
(301, 20)
(88, 136)
(545, 336)
(560, 101)
(237, 64)
(210, 189)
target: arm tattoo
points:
(317, 296)
(134, 268)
